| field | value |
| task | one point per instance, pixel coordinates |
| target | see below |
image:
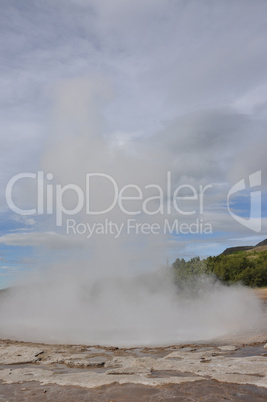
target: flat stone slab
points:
(15, 354)
(90, 368)
(227, 348)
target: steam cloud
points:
(111, 291)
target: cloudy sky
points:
(182, 83)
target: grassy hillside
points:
(249, 267)
(246, 265)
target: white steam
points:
(140, 310)
(111, 291)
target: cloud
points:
(50, 240)
(24, 219)
(8, 267)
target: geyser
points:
(110, 290)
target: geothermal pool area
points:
(137, 336)
(127, 312)
(232, 368)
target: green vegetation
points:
(247, 267)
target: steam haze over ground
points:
(153, 96)
(121, 311)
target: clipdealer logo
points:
(165, 200)
(130, 199)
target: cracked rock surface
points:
(39, 371)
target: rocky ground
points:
(232, 369)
